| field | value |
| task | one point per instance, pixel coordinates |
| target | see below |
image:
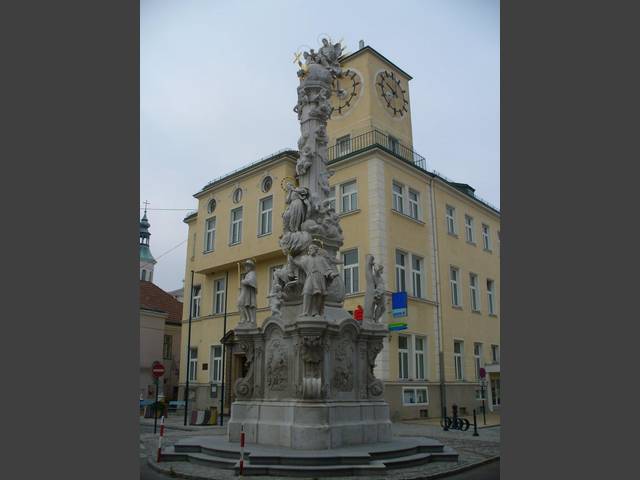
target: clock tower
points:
(371, 95)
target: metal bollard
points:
(160, 439)
(475, 424)
(241, 449)
(444, 419)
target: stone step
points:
(170, 455)
(317, 460)
(218, 452)
(374, 468)
(408, 461)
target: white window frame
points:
(477, 358)
(216, 365)
(474, 296)
(209, 234)
(420, 357)
(495, 353)
(332, 199)
(397, 198)
(456, 301)
(167, 347)
(236, 224)
(414, 205)
(350, 273)
(417, 275)
(404, 353)
(415, 396)
(265, 216)
(343, 145)
(192, 365)
(450, 219)
(401, 272)
(195, 301)
(491, 297)
(219, 295)
(394, 144)
(486, 237)
(348, 200)
(458, 360)
(468, 228)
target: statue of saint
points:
(374, 304)
(318, 271)
(248, 293)
(276, 298)
(297, 200)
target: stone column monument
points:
(310, 381)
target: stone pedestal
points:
(310, 425)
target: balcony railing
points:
(349, 146)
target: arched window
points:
(143, 274)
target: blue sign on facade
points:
(399, 304)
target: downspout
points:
(443, 394)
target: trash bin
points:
(213, 420)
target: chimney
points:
(361, 44)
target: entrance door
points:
(495, 392)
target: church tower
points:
(147, 261)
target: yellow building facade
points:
(436, 240)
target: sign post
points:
(157, 370)
(483, 375)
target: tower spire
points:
(147, 261)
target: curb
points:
(154, 466)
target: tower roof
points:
(145, 251)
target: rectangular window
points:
(349, 196)
(457, 360)
(414, 203)
(486, 238)
(236, 226)
(480, 394)
(209, 234)
(473, 288)
(394, 144)
(272, 271)
(193, 364)
(350, 271)
(491, 297)
(495, 353)
(416, 275)
(451, 220)
(455, 293)
(401, 269)
(468, 228)
(477, 358)
(216, 363)
(167, 347)
(195, 304)
(403, 356)
(420, 357)
(218, 295)
(266, 213)
(343, 146)
(398, 197)
(415, 396)
(331, 199)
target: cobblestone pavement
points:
(471, 450)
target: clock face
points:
(346, 89)
(392, 93)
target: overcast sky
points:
(218, 84)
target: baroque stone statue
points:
(248, 293)
(318, 273)
(374, 297)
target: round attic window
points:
(267, 183)
(212, 205)
(237, 195)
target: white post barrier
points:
(160, 437)
(241, 449)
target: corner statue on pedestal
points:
(248, 294)
(374, 306)
(318, 271)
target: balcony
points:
(374, 138)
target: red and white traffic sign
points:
(483, 372)
(157, 369)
